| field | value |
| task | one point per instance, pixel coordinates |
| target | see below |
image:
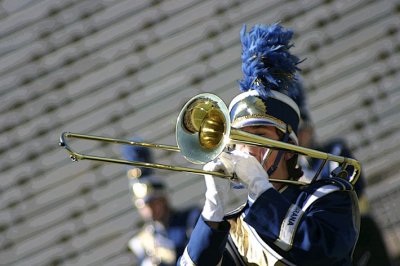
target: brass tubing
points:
(202, 132)
(75, 156)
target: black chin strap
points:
(278, 158)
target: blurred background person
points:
(370, 249)
(166, 230)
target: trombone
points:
(203, 131)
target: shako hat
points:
(269, 82)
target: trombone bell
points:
(203, 128)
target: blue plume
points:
(267, 63)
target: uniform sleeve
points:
(323, 232)
(206, 245)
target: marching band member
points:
(280, 224)
(164, 235)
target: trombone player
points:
(315, 224)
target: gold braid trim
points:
(249, 245)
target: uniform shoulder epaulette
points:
(341, 183)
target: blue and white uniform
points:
(311, 225)
(365, 252)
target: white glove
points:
(218, 190)
(249, 170)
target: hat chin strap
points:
(278, 158)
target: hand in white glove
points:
(218, 190)
(249, 170)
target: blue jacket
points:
(316, 224)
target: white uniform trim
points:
(294, 215)
(319, 193)
(272, 255)
(186, 260)
(289, 227)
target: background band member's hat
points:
(269, 83)
(148, 185)
(302, 102)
